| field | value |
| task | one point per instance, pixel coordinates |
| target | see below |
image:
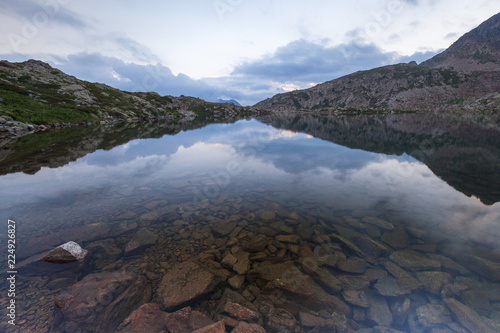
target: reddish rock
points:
(186, 320)
(298, 288)
(243, 327)
(101, 301)
(236, 306)
(185, 282)
(146, 319)
(218, 327)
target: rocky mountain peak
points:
(477, 50)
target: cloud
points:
(34, 11)
(303, 62)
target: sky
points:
(246, 50)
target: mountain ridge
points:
(434, 85)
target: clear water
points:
(250, 167)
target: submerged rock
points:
(218, 327)
(433, 314)
(237, 307)
(146, 319)
(141, 239)
(469, 318)
(100, 300)
(484, 267)
(414, 260)
(298, 288)
(390, 287)
(379, 312)
(186, 320)
(244, 327)
(356, 297)
(185, 282)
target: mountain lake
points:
(296, 223)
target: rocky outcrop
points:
(100, 300)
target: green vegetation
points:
(18, 104)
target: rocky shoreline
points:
(10, 128)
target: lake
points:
(305, 222)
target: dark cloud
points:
(305, 61)
(47, 11)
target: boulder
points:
(484, 267)
(237, 307)
(146, 319)
(356, 297)
(257, 244)
(390, 287)
(237, 281)
(433, 314)
(185, 282)
(403, 278)
(243, 263)
(186, 320)
(224, 227)
(376, 221)
(99, 301)
(309, 320)
(244, 327)
(105, 250)
(142, 239)
(372, 247)
(218, 327)
(397, 239)
(267, 216)
(469, 318)
(288, 239)
(434, 281)
(379, 311)
(414, 261)
(297, 287)
(353, 265)
(280, 320)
